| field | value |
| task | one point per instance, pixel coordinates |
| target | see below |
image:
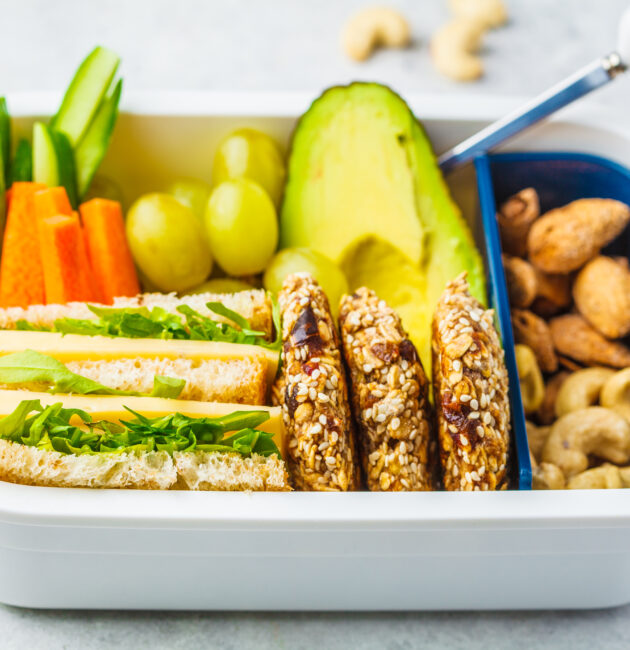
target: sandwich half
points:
(220, 344)
(139, 443)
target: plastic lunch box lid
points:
(559, 178)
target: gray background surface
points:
(294, 45)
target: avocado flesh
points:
(364, 188)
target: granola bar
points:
(312, 391)
(389, 392)
(471, 392)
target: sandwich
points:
(221, 345)
(147, 394)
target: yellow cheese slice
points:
(110, 408)
(75, 347)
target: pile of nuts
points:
(570, 314)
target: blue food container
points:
(559, 178)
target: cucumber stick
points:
(84, 94)
(22, 167)
(5, 140)
(53, 160)
(93, 147)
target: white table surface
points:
(293, 45)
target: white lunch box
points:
(80, 548)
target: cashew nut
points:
(599, 478)
(547, 476)
(595, 431)
(615, 393)
(581, 389)
(530, 378)
(454, 47)
(492, 13)
(624, 473)
(546, 414)
(374, 27)
(536, 437)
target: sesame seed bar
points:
(471, 392)
(312, 391)
(389, 391)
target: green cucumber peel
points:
(49, 428)
(22, 167)
(90, 152)
(5, 144)
(85, 93)
(29, 367)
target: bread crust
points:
(155, 470)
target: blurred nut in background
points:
(532, 330)
(530, 378)
(581, 389)
(515, 218)
(599, 478)
(521, 281)
(602, 295)
(564, 239)
(372, 28)
(553, 293)
(454, 49)
(546, 414)
(491, 13)
(574, 337)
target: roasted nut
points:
(547, 476)
(530, 378)
(581, 390)
(374, 27)
(553, 293)
(536, 438)
(606, 477)
(574, 337)
(454, 47)
(592, 431)
(564, 239)
(531, 330)
(569, 364)
(624, 473)
(492, 13)
(615, 393)
(602, 295)
(546, 414)
(515, 218)
(521, 281)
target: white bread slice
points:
(254, 305)
(147, 471)
(76, 348)
(239, 381)
(111, 408)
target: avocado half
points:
(364, 188)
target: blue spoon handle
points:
(592, 76)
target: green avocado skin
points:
(362, 169)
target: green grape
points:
(242, 227)
(322, 268)
(247, 153)
(192, 193)
(168, 243)
(103, 187)
(221, 285)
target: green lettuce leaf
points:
(157, 323)
(49, 428)
(33, 367)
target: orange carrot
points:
(51, 201)
(90, 286)
(21, 274)
(64, 279)
(108, 250)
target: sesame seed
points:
(316, 428)
(474, 475)
(404, 364)
(395, 424)
(487, 418)
(334, 380)
(381, 417)
(315, 374)
(303, 301)
(330, 461)
(323, 397)
(474, 404)
(457, 365)
(463, 440)
(323, 420)
(334, 436)
(403, 447)
(464, 398)
(474, 415)
(312, 393)
(480, 431)
(367, 368)
(452, 428)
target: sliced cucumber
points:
(53, 160)
(22, 167)
(93, 147)
(5, 141)
(85, 92)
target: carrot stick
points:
(21, 274)
(51, 201)
(90, 286)
(108, 250)
(64, 279)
